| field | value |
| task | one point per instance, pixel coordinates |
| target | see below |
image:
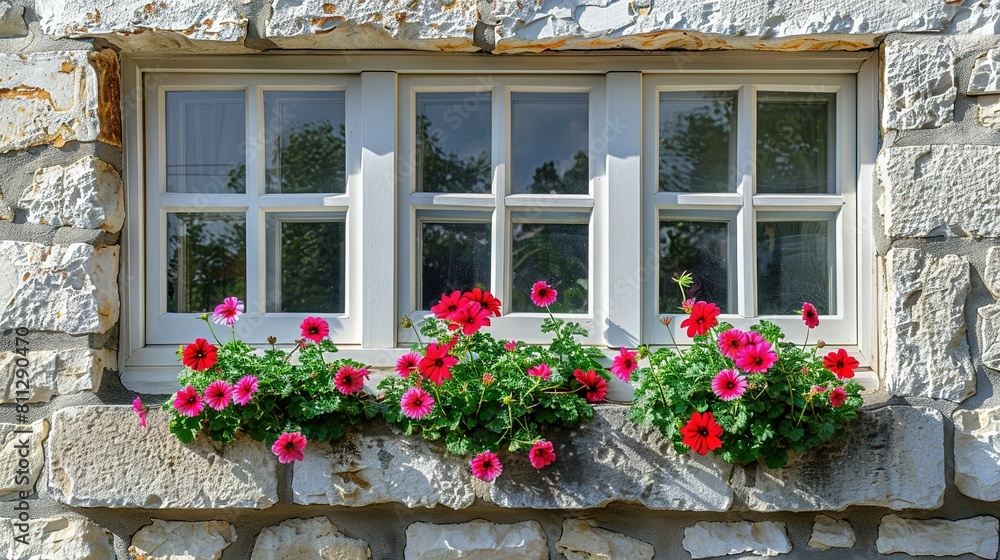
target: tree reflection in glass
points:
(304, 142)
(794, 264)
(698, 141)
(556, 253)
(702, 249)
(306, 264)
(795, 139)
(549, 143)
(454, 141)
(455, 256)
(206, 260)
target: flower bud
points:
(488, 379)
(406, 323)
(272, 340)
(508, 399)
(204, 317)
(820, 344)
(666, 320)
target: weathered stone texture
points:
(940, 190)
(707, 539)
(891, 457)
(830, 533)
(988, 328)
(152, 469)
(135, 23)
(12, 21)
(939, 537)
(314, 538)
(62, 538)
(446, 25)
(991, 274)
(582, 539)
(985, 74)
(611, 460)
(6, 212)
(478, 539)
(988, 114)
(927, 351)
(50, 373)
(85, 194)
(47, 98)
(64, 288)
(21, 456)
(182, 540)
(977, 453)
(918, 83)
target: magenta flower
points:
(754, 337)
(140, 410)
(219, 394)
(486, 466)
(245, 388)
(541, 454)
(314, 328)
(488, 379)
(510, 346)
(416, 403)
(756, 358)
(729, 385)
(408, 363)
(228, 312)
(541, 370)
(687, 305)
(289, 447)
(542, 294)
(809, 315)
(624, 364)
(188, 402)
(350, 380)
(731, 342)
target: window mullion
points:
(501, 228)
(745, 218)
(254, 178)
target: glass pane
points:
(454, 257)
(304, 142)
(454, 142)
(701, 249)
(206, 141)
(306, 264)
(549, 138)
(206, 260)
(794, 265)
(698, 141)
(556, 253)
(795, 142)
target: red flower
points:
(470, 317)
(809, 315)
(350, 380)
(448, 305)
(838, 397)
(314, 328)
(542, 294)
(701, 433)
(596, 386)
(200, 355)
(484, 298)
(486, 466)
(841, 364)
(703, 317)
(289, 447)
(188, 402)
(436, 363)
(541, 454)
(624, 364)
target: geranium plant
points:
(747, 396)
(479, 395)
(230, 387)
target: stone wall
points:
(919, 474)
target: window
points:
(312, 185)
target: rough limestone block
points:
(988, 113)
(928, 354)
(62, 538)
(47, 98)
(21, 457)
(706, 539)
(939, 537)
(151, 468)
(64, 288)
(6, 212)
(918, 84)
(12, 20)
(182, 540)
(446, 25)
(582, 539)
(308, 538)
(831, 533)
(985, 74)
(611, 460)
(85, 194)
(988, 327)
(477, 539)
(137, 23)
(977, 453)
(991, 276)
(891, 457)
(50, 373)
(942, 190)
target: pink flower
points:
(541, 454)
(838, 397)
(448, 305)
(486, 466)
(140, 410)
(542, 294)
(350, 380)
(624, 364)
(729, 385)
(470, 318)
(809, 315)
(488, 379)
(188, 402)
(731, 342)
(817, 389)
(541, 370)
(754, 337)
(314, 328)
(227, 312)
(245, 388)
(510, 346)
(756, 358)
(416, 403)
(289, 447)
(219, 394)
(687, 305)
(408, 363)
